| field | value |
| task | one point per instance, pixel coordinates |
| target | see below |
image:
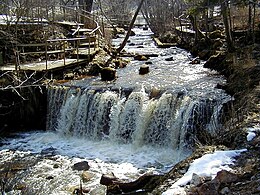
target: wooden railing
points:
(90, 27)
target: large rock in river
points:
(108, 74)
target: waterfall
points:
(171, 119)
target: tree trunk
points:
(89, 4)
(86, 5)
(224, 10)
(118, 50)
(198, 33)
(249, 31)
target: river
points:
(134, 125)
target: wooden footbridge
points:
(53, 54)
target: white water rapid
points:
(134, 125)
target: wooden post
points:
(46, 54)
(64, 53)
(88, 45)
(77, 50)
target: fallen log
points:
(145, 183)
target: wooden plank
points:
(31, 44)
(48, 52)
(70, 23)
(51, 65)
(69, 39)
(91, 44)
(83, 30)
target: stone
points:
(86, 176)
(49, 177)
(132, 33)
(79, 190)
(210, 187)
(195, 61)
(108, 179)
(140, 58)
(108, 74)
(169, 59)
(81, 166)
(144, 69)
(149, 62)
(68, 76)
(131, 44)
(224, 176)
(204, 54)
(49, 151)
(94, 70)
(155, 92)
(196, 180)
(225, 190)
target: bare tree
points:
(160, 14)
(130, 27)
(229, 39)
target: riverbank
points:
(241, 129)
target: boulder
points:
(81, 166)
(216, 34)
(94, 70)
(144, 69)
(108, 179)
(86, 176)
(216, 62)
(108, 74)
(49, 151)
(132, 33)
(140, 58)
(224, 176)
(169, 59)
(207, 188)
(149, 62)
(195, 61)
(196, 180)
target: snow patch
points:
(207, 165)
(252, 133)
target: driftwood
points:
(145, 183)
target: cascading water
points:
(171, 119)
(131, 126)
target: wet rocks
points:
(108, 74)
(108, 179)
(226, 177)
(114, 185)
(219, 185)
(81, 166)
(140, 57)
(216, 62)
(95, 69)
(195, 61)
(49, 151)
(144, 69)
(169, 59)
(86, 176)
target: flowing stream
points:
(134, 125)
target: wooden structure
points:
(58, 53)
